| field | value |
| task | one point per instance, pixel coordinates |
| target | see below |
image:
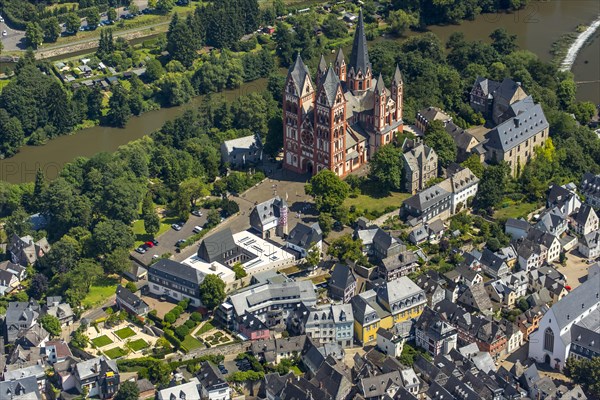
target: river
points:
(536, 27)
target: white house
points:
(589, 245)
(570, 328)
(585, 221)
(184, 391)
(463, 185)
(212, 384)
(389, 343)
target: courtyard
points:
(123, 340)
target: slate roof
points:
(330, 83)
(359, 58)
(585, 212)
(210, 377)
(397, 75)
(322, 65)
(130, 298)
(400, 289)
(591, 240)
(303, 235)
(518, 224)
(23, 388)
(418, 155)
(341, 276)
(512, 132)
(590, 184)
(492, 260)
(488, 86)
(427, 198)
(299, 72)
(266, 212)
(242, 143)
(579, 300)
(177, 270)
(431, 114)
(184, 391)
(214, 246)
(91, 368)
(378, 385)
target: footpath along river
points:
(539, 25)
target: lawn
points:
(125, 333)
(115, 352)
(100, 292)
(510, 209)
(3, 83)
(191, 343)
(205, 328)
(373, 198)
(101, 341)
(140, 233)
(137, 345)
(296, 370)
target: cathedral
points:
(339, 120)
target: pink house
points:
(253, 328)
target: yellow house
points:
(396, 301)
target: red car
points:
(149, 244)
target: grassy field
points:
(137, 345)
(510, 209)
(125, 333)
(374, 198)
(191, 343)
(140, 234)
(115, 353)
(100, 292)
(205, 328)
(101, 341)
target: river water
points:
(536, 27)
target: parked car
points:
(149, 244)
(197, 213)
(177, 227)
(140, 250)
(4, 33)
(155, 242)
(179, 242)
(197, 229)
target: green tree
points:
(212, 291)
(386, 167)
(110, 235)
(345, 248)
(94, 103)
(151, 223)
(119, 111)
(399, 21)
(176, 89)
(111, 14)
(326, 223)
(34, 35)
(18, 223)
(160, 373)
(51, 324)
(584, 111)
(51, 29)
(438, 139)
(566, 93)
(284, 41)
(585, 372)
(80, 339)
(239, 270)
(313, 256)
(128, 391)
(93, 18)
(164, 6)
(154, 70)
(492, 187)
(117, 261)
(72, 23)
(328, 190)
(334, 28)
(180, 41)
(11, 133)
(474, 164)
(38, 286)
(503, 42)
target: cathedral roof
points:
(322, 65)
(379, 86)
(331, 82)
(397, 75)
(299, 72)
(359, 58)
(339, 58)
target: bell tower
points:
(398, 93)
(360, 73)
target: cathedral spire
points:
(322, 69)
(379, 86)
(359, 58)
(397, 76)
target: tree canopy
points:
(328, 190)
(212, 291)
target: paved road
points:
(166, 241)
(14, 40)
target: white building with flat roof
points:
(267, 255)
(215, 268)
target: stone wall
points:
(234, 348)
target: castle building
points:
(341, 119)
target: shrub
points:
(131, 287)
(196, 316)
(182, 331)
(190, 324)
(170, 317)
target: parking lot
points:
(14, 40)
(167, 241)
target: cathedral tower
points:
(360, 73)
